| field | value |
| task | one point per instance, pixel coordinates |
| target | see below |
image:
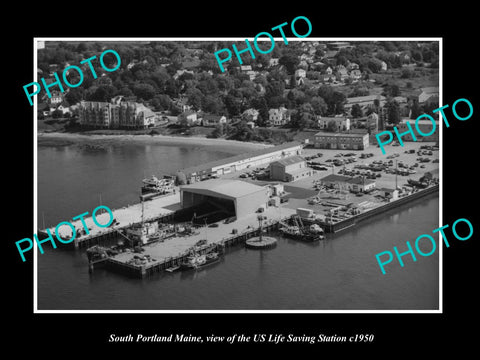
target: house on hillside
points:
(250, 114)
(213, 120)
(429, 95)
(342, 123)
(279, 117)
(188, 118)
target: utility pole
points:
(396, 174)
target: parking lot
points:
(411, 161)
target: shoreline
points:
(149, 139)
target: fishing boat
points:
(299, 231)
(144, 232)
(98, 253)
(196, 261)
(154, 186)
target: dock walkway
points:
(154, 209)
(174, 250)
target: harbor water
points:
(339, 273)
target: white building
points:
(279, 117)
(343, 123)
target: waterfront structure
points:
(279, 117)
(425, 127)
(289, 169)
(342, 123)
(239, 198)
(389, 194)
(117, 114)
(353, 184)
(345, 141)
(239, 162)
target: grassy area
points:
(424, 77)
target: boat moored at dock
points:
(196, 261)
(299, 231)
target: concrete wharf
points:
(158, 256)
(337, 226)
(174, 250)
(161, 209)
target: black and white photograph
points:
(260, 187)
(226, 181)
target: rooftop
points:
(228, 187)
(290, 160)
(349, 134)
(430, 90)
(212, 164)
(367, 98)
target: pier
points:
(157, 209)
(335, 227)
(150, 265)
(172, 251)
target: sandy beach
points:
(57, 138)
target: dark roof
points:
(212, 164)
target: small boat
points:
(306, 233)
(173, 268)
(196, 261)
(154, 186)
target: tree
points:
(391, 90)
(407, 73)
(233, 105)
(102, 93)
(319, 105)
(374, 65)
(75, 95)
(171, 88)
(290, 61)
(195, 98)
(57, 114)
(144, 91)
(261, 105)
(218, 131)
(242, 132)
(332, 126)
(415, 110)
(357, 111)
(393, 112)
(213, 104)
(161, 102)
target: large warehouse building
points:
(234, 196)
(255, 158)
(289, 169)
